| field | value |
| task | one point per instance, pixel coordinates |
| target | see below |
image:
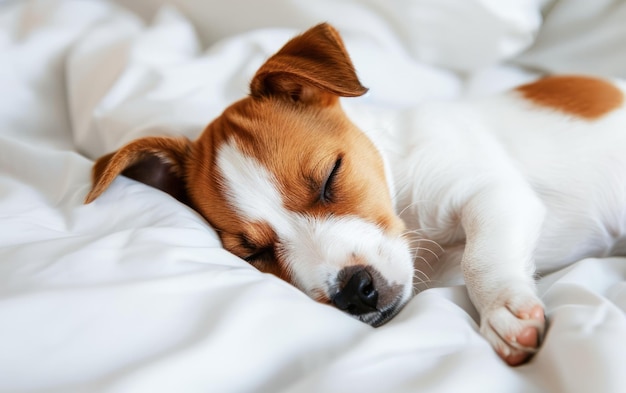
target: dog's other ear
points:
(313, 68)
(156, 161)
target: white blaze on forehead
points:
(250, 187)
(314, 249)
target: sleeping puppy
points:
(535, 176)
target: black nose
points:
(358, 296)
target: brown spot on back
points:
(586, 97)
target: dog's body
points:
(535, 175)
(560, 173)
(518, 184)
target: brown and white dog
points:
(533, 176)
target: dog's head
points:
(289, 183)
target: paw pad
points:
(515, 334)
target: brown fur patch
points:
(312, 67)
(582, 96)
(156, 161)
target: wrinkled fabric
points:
(134, 293)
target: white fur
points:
(250, 187)
(519, 186)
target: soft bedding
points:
(133, 293)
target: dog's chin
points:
(381, 316)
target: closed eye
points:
(263, 254)
(327, 193)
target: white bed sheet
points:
(133, 293)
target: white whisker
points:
(435, 243)
(425, 261)
(424, 280)
(430, 251)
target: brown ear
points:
(156, 161)
(312, 67)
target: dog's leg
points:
(461, 175)
(502, 221)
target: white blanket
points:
(133, 293)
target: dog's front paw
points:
(514, 325)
